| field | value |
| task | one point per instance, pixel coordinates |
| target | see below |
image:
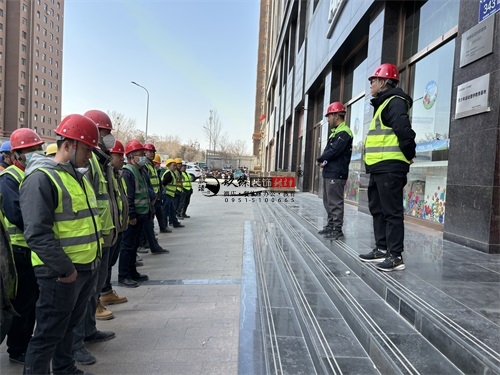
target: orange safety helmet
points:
(100, 118)
(117, 148)
(133, 145)
(335, 107)
(386, 71)
(149, 147)
(24, 138)
(79, 128)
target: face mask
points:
(82, 170)
(29, 155)
(142, 161)
(109, 141)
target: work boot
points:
(102, 313)
(83, 357)
(112, 298)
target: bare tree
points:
(212, 130)
(124, 127)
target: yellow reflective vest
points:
(381, 143)
(153, 177)
(16, 235)
(100, 186)
(76, 219)
(171, 188)
(186, 181)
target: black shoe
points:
(165, 230)
(80, 372)
(325, 230)
(140, 277)
(99, 336)
(139, 263)
(334, 235)
(186, 216)
(160, 251)
(83, 357)
(376, 255)
(18, 358)
(394, 262)
(179, 226)
(127, 283)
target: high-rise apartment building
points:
(31, 39)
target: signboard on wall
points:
(477, 41)
(472, 97)
(487, 8)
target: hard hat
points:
(117, 148)
(149, 147)
(100, 118)
(169, 161)
(178, 160)
(51, 149)
(5, 147)
(157, 158)
(133, 145)
(386, 71)
(335, 107)
(79, 128)
(24, 138)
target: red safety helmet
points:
(79, 128)
(117, 148)
(386, 71)
(149, 147)
(335, 107)
(100, 118)
(133, 145)
(24, 138)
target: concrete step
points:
(345, 326)
(468, 339)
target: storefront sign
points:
(477, 41)
(472, 97)
(487, 8)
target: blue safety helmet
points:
(5, 147)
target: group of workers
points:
(68, 215)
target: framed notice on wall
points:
(477, 41)
(472, 97)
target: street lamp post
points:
(147, 109)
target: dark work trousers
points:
(87, 326)
(22, 326)
(333, 200)
(59, 309)
(149, 233)
(385, 201)
(114, 253)
(169, 210)
(162, 220)
(182, 200)
(185, 200)
(177, 201)
(128, 251)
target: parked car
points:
(193, 170)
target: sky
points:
(192, 56)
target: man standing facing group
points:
(335, 164)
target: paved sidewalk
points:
(185, 319)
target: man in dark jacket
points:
(389, 150)
(335, 164)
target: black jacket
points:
(395, 115)
(337, 153)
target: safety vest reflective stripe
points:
(101, 194)
(119, 201)
(171, 188)
(381, 143)
(16, 235)
(141, 198)
(178, 181)
(78, 232)
(186, 181)
(153, 176)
